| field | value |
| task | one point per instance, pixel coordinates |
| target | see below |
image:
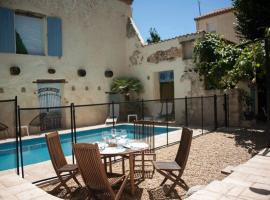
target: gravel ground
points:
(208, 156)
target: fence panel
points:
(176, 119)
(34, 148)
(208, 114)
(9, 157)
(92, 120)
(156, 110)
(195, 115)
(221, 106)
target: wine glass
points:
(113, 133)
(123, 134)
(105, 136)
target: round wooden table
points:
(126, 151)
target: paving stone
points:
(227, 170)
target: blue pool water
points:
(35, 150)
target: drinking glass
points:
(105, 136)
(113, 133)
(123, 134)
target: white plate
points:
(102, 144)
(137, 145)
(113, 150)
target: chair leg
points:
(143, 166)
(171, 188)
(110, 166)
(63, 183)
(76, 180)
(164, 181)
(123, 165)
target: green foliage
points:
(126, 86)
(253, 17)
(223, 64)
(247, 65)
(154, 36)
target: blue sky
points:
(171, 17)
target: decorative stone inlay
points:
(23, 89)
(167, 55)
(136, 58)
(15, 70)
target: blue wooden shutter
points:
(54, 27)
(7, 33)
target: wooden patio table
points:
(109, 152)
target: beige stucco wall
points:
(93, 35)
(223, 24)
(93, 39)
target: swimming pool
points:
(35, 150)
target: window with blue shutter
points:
(54, 36)
(7, 33)
(29, 32)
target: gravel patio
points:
(209, 154)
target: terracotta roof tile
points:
(215, 13)
(129, 2)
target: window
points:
(210, 27)
(29, 33)
(23, 33)
(187, 49)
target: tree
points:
(126, 86)
(154, 36)
(253, 17)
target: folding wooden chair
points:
(169, 168)
(64, 171)
(145, 131)
(94, 175)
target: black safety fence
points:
(37, 122)
(93, 122)
(9, 137)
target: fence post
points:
(228, 111)
(142, 104)
(202, 112)
(225, 110)
(74, 123)
(113, 113)
(72, 132)
(186, 112)
(167, 122)
(17, 135)
(20, 140)
(215, 112)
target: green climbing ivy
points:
(224, 64)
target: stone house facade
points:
(75, 44)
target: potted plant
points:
(126, 86)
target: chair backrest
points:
(91, 168)
(55, 150)
(114, 110)
(184, 148)
(145, 131)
